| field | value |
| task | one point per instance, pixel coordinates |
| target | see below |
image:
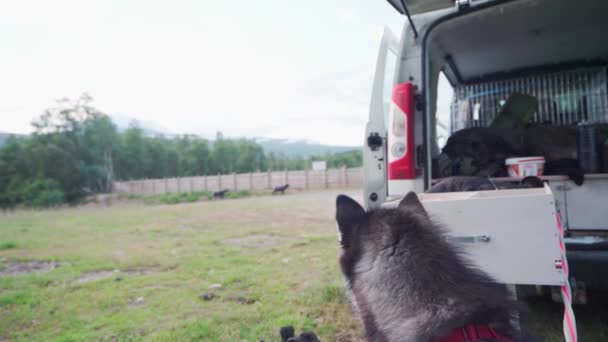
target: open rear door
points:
(420, 6)
(374, 147)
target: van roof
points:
(518, 35)
(420, 6)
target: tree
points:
(77, 150)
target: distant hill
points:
(302, 148)
(288, 147)
(5, 135)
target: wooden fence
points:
(255, 181)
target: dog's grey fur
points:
(407, 282)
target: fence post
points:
(306, 178)
(205, 183)
(154, 187)
(250, 181)
(346, 177)
(269, 185)
(191, 181)
(286, 176)
(166, 185)
(219, 181)
(179, 184)
(326, 173)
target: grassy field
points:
(233, 270)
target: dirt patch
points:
(25, 267)
(116, 274)
(240, 299)
(94, 276)
(255, 241)
(139, 301)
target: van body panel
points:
(484, 225)
(501, 42)
(374, 145)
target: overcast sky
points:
(266, 68)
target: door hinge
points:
(419, 101)
(374, 141)
(466, 4)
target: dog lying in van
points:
(481, 151)
(406, 282)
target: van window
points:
(389, 82)
(443, 122)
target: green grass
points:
(184, 197)
(238, 194)
(7, 245)
(177, 198)
(278, 252)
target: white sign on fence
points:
(319, 165)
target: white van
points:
(483, 51)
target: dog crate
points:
(510, 234)
(564, 98)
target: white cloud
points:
(195, 67)
(348, 16)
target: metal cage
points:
(564, 98)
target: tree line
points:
(76, 150)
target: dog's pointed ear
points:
(348, 213)
(412, 202)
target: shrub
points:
(42, 193)
(192, 197)
(175, 198)
(7, 245)
(238, 194)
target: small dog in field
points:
(407, 283)
(280, 189)
(220, 193)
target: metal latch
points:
(374, 141)
(470, 239)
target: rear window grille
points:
(564, 98)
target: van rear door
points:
(412, 7)
(375, 188)
(420, 6)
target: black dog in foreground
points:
(220, 193)
(408, 283)
(280, 189)
(288, 335)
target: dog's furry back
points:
(407, 282)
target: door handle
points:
(470, 238)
